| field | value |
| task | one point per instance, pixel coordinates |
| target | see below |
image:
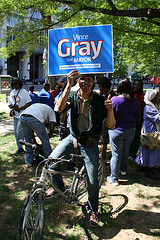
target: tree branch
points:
(49, 26)
(112, 5)
(144, 12)
(138, 32)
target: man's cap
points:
(87, 74)
(16, 80)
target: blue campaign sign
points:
(86, 49)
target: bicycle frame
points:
(32, 216)
(44, 180)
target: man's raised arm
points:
(61, 103)
(110, 121)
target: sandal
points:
(93, 220)
(50, 192)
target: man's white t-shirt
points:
(22, 98)
(42, 112)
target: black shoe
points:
(141, 168)
(20, 151)
(29, 165)
(152, 176)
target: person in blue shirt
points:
(34, 96)
(45, 96)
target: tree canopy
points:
(136, 26)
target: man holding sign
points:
(88, 111)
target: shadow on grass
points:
(4, 115)
(143, 222)
(136, 175)
(15, 186)
(111, 222)
(127, 219)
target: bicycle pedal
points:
(86, 209)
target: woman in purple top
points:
(147, 157)
(127, 113)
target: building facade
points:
(29, 69)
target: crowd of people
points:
(89, 119)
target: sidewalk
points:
(5, 125)
(4, 107)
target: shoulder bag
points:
(12, 111)
(150, 140)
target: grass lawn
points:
(128, 212)
(2, 97)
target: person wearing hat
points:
(149, 158)
(19, 100)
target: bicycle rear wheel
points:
(81, 183)
(31, 219)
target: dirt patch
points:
(6, 125)
(130, 211)
(6, 122)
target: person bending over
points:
(33, 120)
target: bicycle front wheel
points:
(81, 183)
(31, 219)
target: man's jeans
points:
(120, 141)
(91, 162)
(30, 124)
(18, 133)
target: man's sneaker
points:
(114, 183)
(93, 220)
(130, 158)
(123, 173)
(20, 151)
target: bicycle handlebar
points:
(72, 156)
(80, 157)
(67, 158)
(33, 146)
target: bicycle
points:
(32, 215)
